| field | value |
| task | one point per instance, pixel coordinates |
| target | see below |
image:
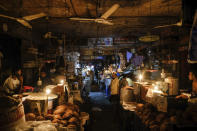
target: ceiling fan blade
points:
(36, 16)
(110, 11)
(82, 19)
(103, 21)
(180, 23)
(24, 23)
(9, 17)
(177, 24)
(108, 23)
(162, 26)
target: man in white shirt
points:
(107, 75)
(11, 85)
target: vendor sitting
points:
(45, 78)
(59, 75)
(12, 84)
(193, 77)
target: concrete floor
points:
(100, 111)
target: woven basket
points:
(12, 118)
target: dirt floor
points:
(100, 111)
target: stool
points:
(27, 88)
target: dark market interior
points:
(92, 65)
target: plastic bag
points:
(45, 127)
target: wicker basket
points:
(11, 118)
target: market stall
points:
(157, 107)
(52, 109)
(61, 60)
(41, 115)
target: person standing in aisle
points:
(115, 95)
(87, 84)
(101, 81)
(107, 75)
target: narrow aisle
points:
(100, 110)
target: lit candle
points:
(62, 82)
(140, 77)
(48, 91)
(155, 87)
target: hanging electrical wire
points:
(47, 22)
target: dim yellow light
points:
(140, 77)
(48, 91)
(155, 87)
(62, 82)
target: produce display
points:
(67, 115)
(155, 120)
(30, 117)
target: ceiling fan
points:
(179, 24)
(149, 38)
(25, 20)
(49, 35)
(103, 18)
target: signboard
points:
(107, 41)
(123, 41)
